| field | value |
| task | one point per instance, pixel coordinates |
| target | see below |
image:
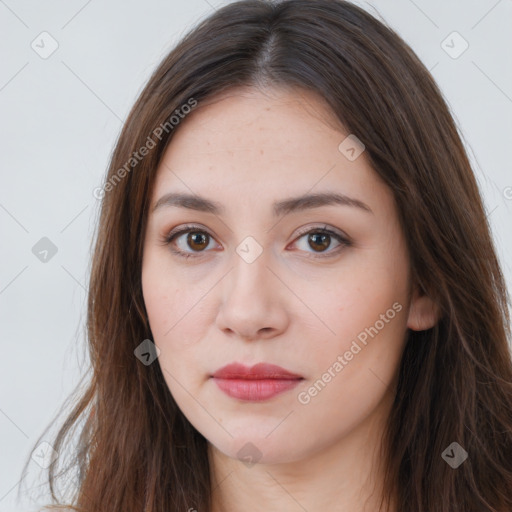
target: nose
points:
(253, 301)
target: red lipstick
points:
(259, 382)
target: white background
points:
(60, 117)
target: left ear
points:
(424, 313)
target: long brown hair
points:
(136, 451)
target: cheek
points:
(365, 311)
(165, 298)
(381, 291)
(159, 302)
(359, 300)
(177, 316)
(173, 330)
(354, 373)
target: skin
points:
(246, 149)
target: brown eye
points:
(192, 245)
(319, 241)
(197, 240)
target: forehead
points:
(246, 115)
(248, 144)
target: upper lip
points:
(258, 371)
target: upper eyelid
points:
(185, 229)
(303, 230)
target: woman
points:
(295, 302)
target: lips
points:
(260, 382)
(257, 372)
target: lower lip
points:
(255, 390)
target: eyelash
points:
(168, 239)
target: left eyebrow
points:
(283, 207)
(308, 201)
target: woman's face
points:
(267, 284)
